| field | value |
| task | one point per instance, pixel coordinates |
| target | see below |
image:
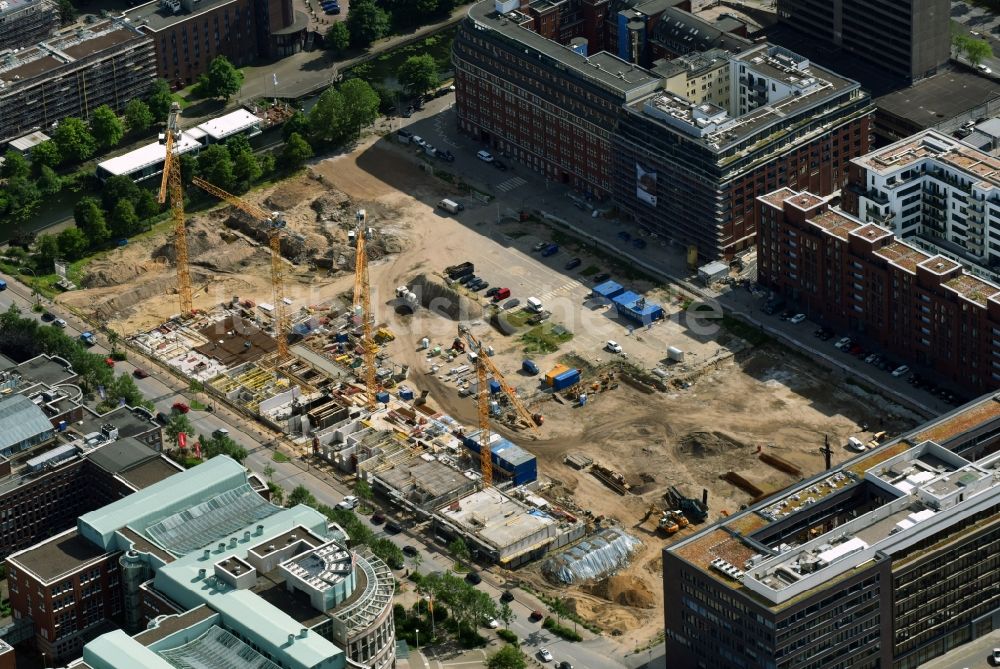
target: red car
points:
(536, 616)
(109, 362)
(139, 373)
(180, 407)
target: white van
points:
(534, 304)
(855, 444)
(450, 206)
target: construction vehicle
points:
(695, 510)
(667, 525)
(363, 308)
(384, 335)
(876, 440)
(275, 222)
(171, 181)
(531, 421)
(679, 518)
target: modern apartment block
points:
(199, 565)
(24, 22)
(188, 34)
(922, 307)
(71, 74)
(935, 190)
(690, 158)
(888, 560)
(683, 145)
(909, 38)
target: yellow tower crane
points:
(171, 182)
(484, 369)
(276, 223)
(363, 308)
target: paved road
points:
(973, 655)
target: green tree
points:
(124, 388)
(327, 118)
(363, 491)
(46, 153)
(361, 103)
(277, 493)
(216, 167)
(301, 495)
(116, 189)
(124, 221)
(418, 74)
(268, 472)
(159, 100)
(366, 22)
(221, 444)
(106, 127)
(47, 250)
(138, 116)
(222, 79)
(48, 181)
(179, 422)
(246, 168)
(22, 198)
(73, 243)
(146, 205)
(459, 550)
(89, 219)
(975, 50)
(508, 657)
(75, 142)
(67, 12)
(298, 123)
(388, 552)
(14, 165)
(506, 614)
(189, 168)
(338, 38)
(296, 152)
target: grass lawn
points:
(545, 338)
(518, 318)
(280, 457)
(591, 270)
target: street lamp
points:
(418, 637)
(34, 291)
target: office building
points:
(72, 74)
(922, 308)
(910, 39)
(888, 560)
(689, 159)
(932, 189)
(25, 22)
(205, 566)
(188, 34)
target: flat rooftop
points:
(150, 472)
(43, 369)
(936, 147)
(130, 422)
(152, 17)
(916, 484)
(939, 98)
(57, 556)
(604, 69)
(495, 517)
(11, 6)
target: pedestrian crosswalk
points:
(511, 184)
(565, 288)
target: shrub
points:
(560, 631)
(508, 636)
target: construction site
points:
(324, 322)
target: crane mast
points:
(362, 309)
(275, 224)
(171, 182)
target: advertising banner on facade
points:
(645, 184)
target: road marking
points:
(569, 285)
(511, 184)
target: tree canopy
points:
(366, 22)
(337, 38)
(418, 74)
(222, 80)
(72, 243)
(74, 140)
(159, 100)
(508, 657)
(138, 116)
(976, 50)
(46, 153)
(215, 166)
(90, 220)
(14, 165)
(360, 102)
(106, 127)
(296, 152)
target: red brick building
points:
(922, 308)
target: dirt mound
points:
(625, 590)
(701, 444)
(332, 206)
(443, 300)
(290, 194)
(105, 274)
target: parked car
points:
(539, 246)
(501, 294)
(536, 616)
(843, 342)
(574, 263)
(624, 236)
(550, 250)
(529, 367)
(485, 156)
(787, 314)
(467, 278)
(59, 323)
(984, 69)
(48, 317)
(564, 665)
(492, 623)
(474, 578)
(409, 550)
(601, 278)
(507, 596)
(544, 655)
(162, 418)
(419, 141)
(900, 371)
(492, 291)
(613, 346)
(180, 407)
(995, 657)
(446, 155)
(392, 527)
(511, 303)
(349, 503)
(403, 132)
(139, 373)
(378, 518)
(797, 318)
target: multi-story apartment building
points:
(690, 158)
(886, 561)
(922, 307)
(935, 190)
(24, 22)
(71, 74)
(909, 38)
(188, 34)
(203, 553)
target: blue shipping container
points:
(566, 379)
(382, 397)
(494, 386)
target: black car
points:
(474, 578)
(162, 418)
(601, 278)
(574, 263)
(499, 165)
(507, 596)
(409, 550)
(403, 132)
(378, 518)
(48, 317)
(564, 665)
(624, 236)
(481, 285)
(392, 527)
(445, 155)
(407, 113)
(467, 279)
(492, 291)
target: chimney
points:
(246, 536)
(303, 633)
(222, 546)
(704, 497)
(232, 542)
(260, 530)
(291, 638)
(201, 573)
(207, 555)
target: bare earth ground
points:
(769, 400)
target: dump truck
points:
(458, 271)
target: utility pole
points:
(826, 450)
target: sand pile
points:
(625, 590)
(105, 273)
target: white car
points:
(846, 341)
(900, 371)
(985, 70)
(544, 655)
(418, 140)
(613, 346)
(485, 156)
(349, 503)
(493, 623)
(995, 657)
(797, 318)
(59, 323)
